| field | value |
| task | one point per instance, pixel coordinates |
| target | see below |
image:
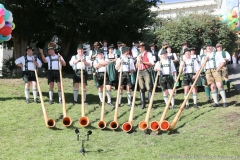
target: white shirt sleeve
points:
(150, 58)
(19, 60)
(175, 56)
(39, 63)
(71, 61)
(132, 67)
(228, 56)
(134, 52)
(173, 69)
(88, 60)
(157, 66)
(196, 66)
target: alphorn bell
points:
(143, 125)
(127, 126)
(114, 123)
(101, 123)
(83, 121)
(174, 122)
(66, 121)
(163, 124)
(50, 123)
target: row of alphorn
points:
(127, 126)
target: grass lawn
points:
(206, 133)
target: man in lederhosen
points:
(144, 62)
(226, 56)
(118, 51)
(164, 45)
(100, 66)
(28, 63)
(53, 70)
(203, 77)
(154, 53)
(213, 73)
(105, 48)
(127, 69)
(167, 72)
(93, 55)
(78, 62)
(190, 68)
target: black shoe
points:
(130, 105)
(143, 106)
(110, 104)
(60, 102)
(215, 105)
(35, 101)
(209, 100)
(74, 102)
(195, 106)
(187, 106)
(27, 101)
(85, 102)
(225, 105)
(100, 103)
(50, 101)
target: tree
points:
(78, 21)
(196, 29)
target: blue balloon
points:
(6, 15)
(4, 38)
(2, 6)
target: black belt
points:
(166, 75)
(80, 69)
(211, 69)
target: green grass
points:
(207, 133)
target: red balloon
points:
(6, 30)
(1, 19)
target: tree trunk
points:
(20, 45)
(66, 42)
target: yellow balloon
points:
(230, 17)
(233, 27)
(13, 26)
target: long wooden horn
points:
(101, 123)
(50, 123)
(127, 126)
(174, 122)
(163, 124)
(114, 123)
(83, 121)
(143, 125)
(66, 121)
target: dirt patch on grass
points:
(232, 121)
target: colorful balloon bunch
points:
(232, 19)
(6, 24)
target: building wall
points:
(4, 53)
(165, 10)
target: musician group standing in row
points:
(128, 61)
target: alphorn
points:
(174, 122)
(83, 121)
(50, 123)
(66, 121)
(101, 123)
(163, 124)
(127, 126)
(114, 123)
(143, 125)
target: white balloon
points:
(9, 37)
(2, 24)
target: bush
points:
(8, 66)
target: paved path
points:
(234, 74)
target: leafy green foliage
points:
(78, 21)
(196, 29)
(8, 66)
